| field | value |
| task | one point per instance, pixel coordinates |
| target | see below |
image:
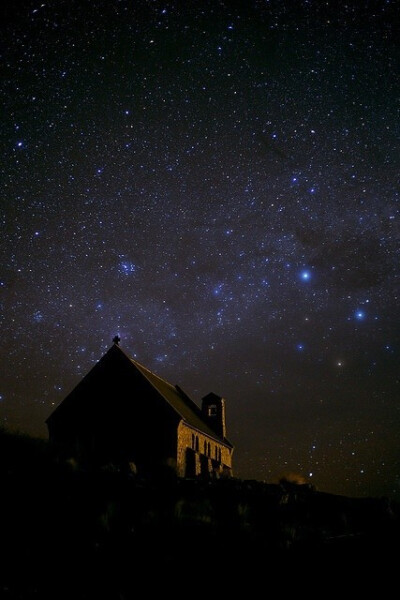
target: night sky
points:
(217, 183)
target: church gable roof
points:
(186, 408)
(173, 395)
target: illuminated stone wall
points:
(199, 454)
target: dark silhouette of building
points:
(124, 416)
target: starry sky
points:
(217, 183)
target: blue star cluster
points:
(217, 183)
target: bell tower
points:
(213, 409)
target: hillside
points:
(71, 534)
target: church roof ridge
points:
(178, 399)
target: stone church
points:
(122, 415)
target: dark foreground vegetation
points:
(77, 535)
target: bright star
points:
(305, 275)
(127, 267)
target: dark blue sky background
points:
(218, 183)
